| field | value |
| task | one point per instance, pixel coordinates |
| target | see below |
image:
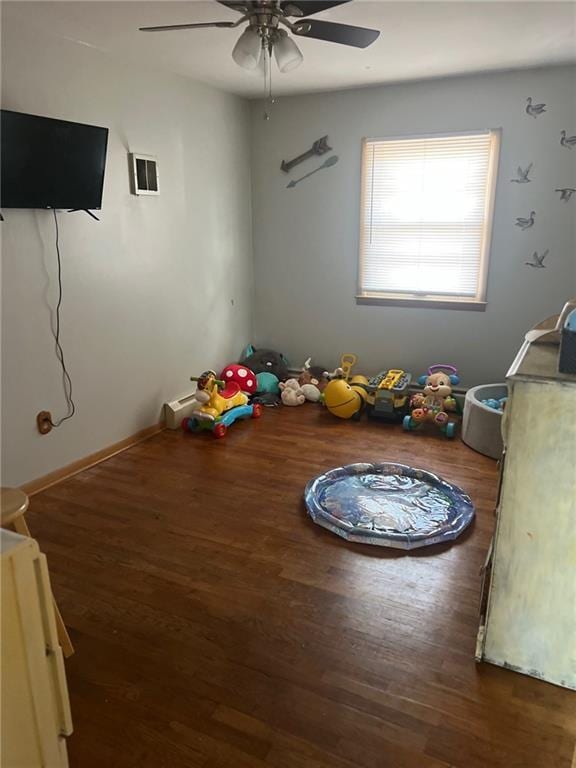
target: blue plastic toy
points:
(496, 404)
(219, 426)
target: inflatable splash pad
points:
(389, 505)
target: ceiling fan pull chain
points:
(267, 82)
(271, 98)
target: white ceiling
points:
(418, 39)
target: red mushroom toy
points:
(240, 375)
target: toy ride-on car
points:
(219, 426)
(221, 403)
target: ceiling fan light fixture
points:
(247, 50)
(288, 55)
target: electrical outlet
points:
(44, 422)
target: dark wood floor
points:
(215, 625)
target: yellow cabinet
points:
(35, 706)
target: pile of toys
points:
(241, 389)
(262, 378)
(386, 397)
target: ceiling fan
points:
(268, 23)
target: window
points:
(425, 219)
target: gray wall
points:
(160, 289)
(306, 238)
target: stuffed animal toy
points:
(267, 383)
(266, 361)
(313, 374)
(291, 393)
(243, 376)
(433, 403)
(311, 392)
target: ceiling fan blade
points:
(201, 25)
(359, 37)
(308, 7)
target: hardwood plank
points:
(215, 625)
(58, 475)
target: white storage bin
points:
(481, 424)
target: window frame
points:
(421, 299)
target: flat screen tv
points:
(46, 163)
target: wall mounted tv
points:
(49, 163)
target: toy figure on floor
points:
(312, 380)
(216, 396)
(221, 404)
(291, 392)
(436, 401)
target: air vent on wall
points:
(144, 174)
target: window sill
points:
(424, 303)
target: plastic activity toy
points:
(434, 403)
(222, 403)
(216, 402)
(388, 395)
(390, 505)
(219, 427)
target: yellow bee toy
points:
(346, 399)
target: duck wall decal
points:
(534, 110)
(566, 193)
(526, 223)
(567, 141)
(538, 261)
(522, 175)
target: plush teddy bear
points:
(291, 393)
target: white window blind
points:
(426, 213)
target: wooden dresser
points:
(528, 617)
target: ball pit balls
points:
(492, 402)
